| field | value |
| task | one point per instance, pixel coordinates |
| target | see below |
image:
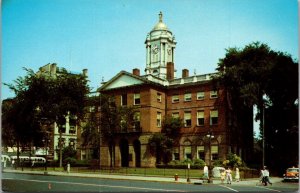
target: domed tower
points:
(160, 45)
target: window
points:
(200, 95)
(187, 119)
(175, 155)
(188, 152)
(175, 98)
(200, 118)
(137, 118)
(200, 152)
(123, 99)
(137, 99)
(159, 97)
(175, 115)
(213, 94)
(72, 143)
(72, 123)
(187, 97)
(213, 117)
(214, 152)
(158, 118)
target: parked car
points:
(291, 174)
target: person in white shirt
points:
(266, 176)
(228, 175)
(205, 172)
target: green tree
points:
(44, 99)
(113, 121)
(91, 127)
(161, 144)
(257, 75)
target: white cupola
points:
(160, 45)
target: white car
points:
(216, 171)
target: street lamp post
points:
(188, 178)
(209, 136)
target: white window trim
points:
(188, 98)
(177, 98)
(135, 97)
(213, 94)
(198, 94)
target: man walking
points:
(266, 176)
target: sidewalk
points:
(135, 177)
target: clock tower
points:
(160, 45)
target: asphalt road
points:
(13, 182)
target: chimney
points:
(170, 70)
(53, 69)
(185, 73)
(136, 72)
(84, 72)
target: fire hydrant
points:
(176, 177)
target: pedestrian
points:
(223, 174)
(228, 175)
(4, 164)
(205, 172)
(266, 176)
(237, 175)
(68, 167)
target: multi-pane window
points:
(158, 119)
(200, 152)
(187, 96)
(188, 152)
(213, 117)
(187, 119)
(72, 124)
(175, 115)
(159, 97)
(137, 98)
(200, 118)
(213, 94)
(214, 152)
(200, 95)
(123, 99)
(175, 98)
(175, 155)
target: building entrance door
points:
(137, 151)
(124, 148)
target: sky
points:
(107, 36)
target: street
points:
(14, 182)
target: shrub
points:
(218, 162)
(70, 160)
(198, 164)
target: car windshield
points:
(293, 170)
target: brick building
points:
(159, 93)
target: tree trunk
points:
(60, 148)
(262, 126)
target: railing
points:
(163, 172)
